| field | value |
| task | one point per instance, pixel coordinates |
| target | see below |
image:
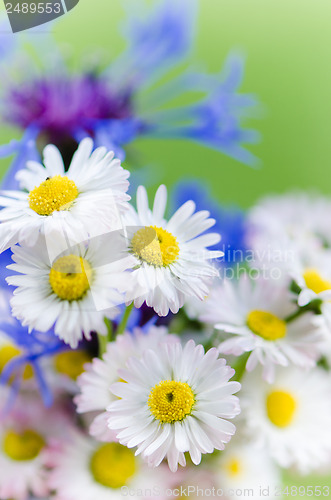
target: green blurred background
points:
(287, 45)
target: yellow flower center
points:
(55, 193)
(281, 408)
(112, 465)
(9, 352)
(171, 401)
(71, 363)
(233, 467)
(69, 277)
(315, 282)
(266, 325)
(22, 446)
(155, 246)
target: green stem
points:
(313, 306)
(123, 323)
(103, 341)
(110, 331)
(240, 365)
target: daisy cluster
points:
(82, 257)
(139, 356)
(125, 345)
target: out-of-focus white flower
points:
(85, 469)
(25, 434)
(290, 418)
(244, 467)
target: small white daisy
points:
(84, 201)
(245, 467)
(85, 469)
(63, 368)
(175, 400)
(94, 383)
(290, 418)
(287, 227)
(170, 258)
(74, 292)
(24, 435)
(9, 351)
(255, 312)
(314, 279)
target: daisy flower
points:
(64, 367)
(9, 351)
(170, 258)
(290, 418)
(23, 357)
(73, 293)
(85, 469)
(99, 375)
(84, 201)
(244, 467)
(286, 230)
(255, 312)
(24, 435)
(175, 400)
(297, 217)
(314, 279)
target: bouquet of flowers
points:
(148, 351)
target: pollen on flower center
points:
(281, 408)
(22, 446)
(71, 363)
(315, 282)
(171, 401)
(233, 467)
(112, 465)
(9, 352)
(55, 193)
(70, 277)
(266, 325)
(155, 245)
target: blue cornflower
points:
(230, 220)
(25, 350)
(131, 97)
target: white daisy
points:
(291, 418)
(170, 258)
(244, 467)
(85, 469)
(24, 452)
(175, 400)
(314, 279)
(84, 201)
(94, 383)
(287, 227)
(74, 292)
(63, 368)
(8, 352)
(255, 312)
